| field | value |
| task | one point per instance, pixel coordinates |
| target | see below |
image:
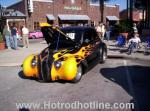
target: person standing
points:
(101, 30)
(135, 30)
(98, 29)
(25, 33)
(14, 36)
(7, 34)
(108, 31)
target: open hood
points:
(51, 33)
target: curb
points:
(9, 64)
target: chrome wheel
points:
(78, 75)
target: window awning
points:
(15, 14)
(50, 17)
(73, 17)
(112, 18)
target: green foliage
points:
(1, 38)
(124, 26)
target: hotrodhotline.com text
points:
(74, 105)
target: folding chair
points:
(121, 41)
(147, 46)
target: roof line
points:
(14, 4)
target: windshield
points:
(73, 34)
(61, 41)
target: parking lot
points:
(116, 81)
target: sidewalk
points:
(10, 57)
(120, 52)
(16, 57)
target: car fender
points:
(28, 69)
(67, 71)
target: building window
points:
(36, 26)
(94, 2)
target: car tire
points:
(102, 55)
(78, 75)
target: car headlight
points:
(57, 64)
(34, 62)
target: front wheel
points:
(78, 75)
(102, 55)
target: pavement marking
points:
(130, 84)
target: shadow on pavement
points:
(140, 79)
(21, 75)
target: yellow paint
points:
(67, 71)
(44, 24)
(28, 70)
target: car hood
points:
(50, 32)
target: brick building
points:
(63, 12)
(137, 15)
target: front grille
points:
(46, 65)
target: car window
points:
(75, 35)
(89, 36)
(95, 35)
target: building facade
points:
(137, 15)
(63, 12)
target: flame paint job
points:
(69, 61)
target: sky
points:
(112, 2)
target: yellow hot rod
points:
(70, 50)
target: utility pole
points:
(131, 11)
(0, 11)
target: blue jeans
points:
(132, 46)
(15, 42)
(107, 35)
(7, 41)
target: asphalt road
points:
(118, 80)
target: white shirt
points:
(135, 39)
(101, 28)
(25, 30)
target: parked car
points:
(35, 34)
(71, 50)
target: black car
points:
(70, 50)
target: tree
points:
(101, 6)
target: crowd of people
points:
(10, 36)
(103, 30)
(133, 43)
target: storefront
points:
(63, 12)
(68, 19)
(112, 20)
(15, 17)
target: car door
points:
(96, 42)
(88, 39)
